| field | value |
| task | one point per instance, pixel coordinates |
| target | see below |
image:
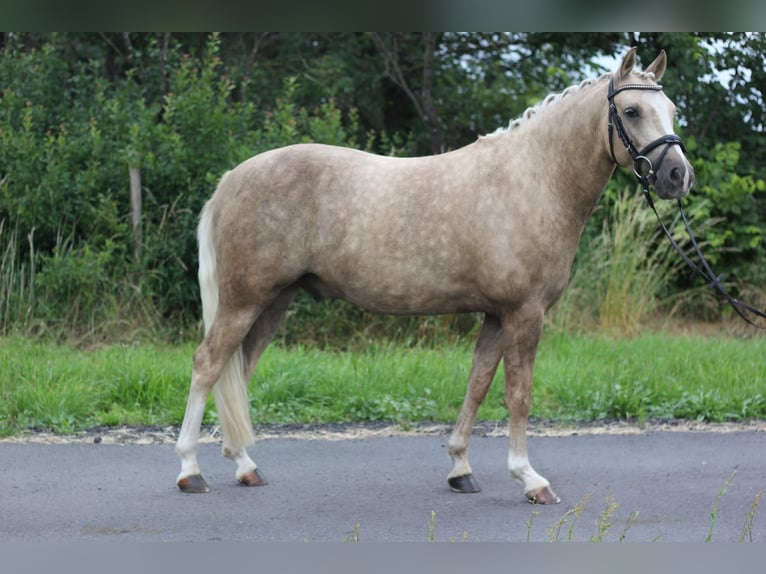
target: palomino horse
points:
(492, 227)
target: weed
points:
(432, 526)
(354, 534)
(603, 523)
(16, 280)
(570, 517)
(529, 522)
(605, 520)
(714, 511)
(628, 523)
(747, 527)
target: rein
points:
(644, 171)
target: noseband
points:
(642, 165)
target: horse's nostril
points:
(676, 176)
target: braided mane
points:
(553, 99)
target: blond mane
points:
(553, 99)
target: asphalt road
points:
(385, 488)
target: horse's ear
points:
(658, 66)
(628, 62)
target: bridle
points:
(642, 165)
(645, 171)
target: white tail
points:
(231, 389)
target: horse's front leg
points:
(521, 335)
(489, 350)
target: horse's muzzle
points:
(674, 179)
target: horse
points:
(489, 228)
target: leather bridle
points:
(642, 165)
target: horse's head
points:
(641, 116)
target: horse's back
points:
(322, 188)
(385, 233)
(400, 235)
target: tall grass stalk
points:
(353, 536)
(605, 520)
(628, 523)
(72, 294)
(570, 517)
(747, 527)
(529, 523)
(714, 511)
(16, 280)
(432, 526)
(621, 279)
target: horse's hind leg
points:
(216, 354)
(486, 357)
(521, 335)
(262, 331)
(254, 344)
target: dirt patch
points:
(353, 431)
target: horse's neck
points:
(571, 140)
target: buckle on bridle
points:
(643, 161)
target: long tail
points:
(231, 389)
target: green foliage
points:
(734, 197)
(586, 378)
(78, 110)
(624, 270)
(56, 387)
(17, 278)
(67, 139)
(602, 378)
(73, 284)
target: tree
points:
(187, 106)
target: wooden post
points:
(135, 202)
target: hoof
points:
(193, 484)
(543, 495)
(465, 484)
(253, 478)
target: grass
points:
(63, 389)
(714, 510)
(577, 378)
(622, 271)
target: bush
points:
(67, 141)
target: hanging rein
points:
(645, 170)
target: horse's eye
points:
(631, 112)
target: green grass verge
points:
(577, 378)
